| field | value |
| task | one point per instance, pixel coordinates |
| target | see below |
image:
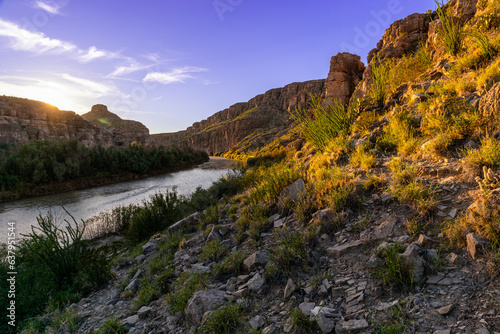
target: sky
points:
(170, 63)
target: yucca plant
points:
(488, 50)
(452, 31)
(380, 80)
(326, 121)
(60, 249)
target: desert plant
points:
(232, 264)
(184, 288)
(363, 158)
(487, 49)
(112, 326)
(60, 249)
(380, 80)
(224, 320)
(394, 272)
(213, 250)
(325, 121)
(302, 323)
(452, 31)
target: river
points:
(83, 204)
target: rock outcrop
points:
(246, 125)
(23, 120)
(123, 132)
(402, 37)
(346, 71)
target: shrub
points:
(271, 181)
(302, 323)
(231, 265)
(363, 158)
(161, 211)
(401, 133)
(213, 251)
(407, 188)
(184, 288)
(395, 272)
(452, 33)
(325, 122)
(224, 320)
(380, 80)
(488, 155)
(112, 326)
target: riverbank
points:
(85, 183)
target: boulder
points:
(256, 260)
(185, 224)
(256, 282)
(201, 302)
(292, 193)
(340, 250)
(289, 289)
(416, 263)
(351, 326)
(476, 244)
(489, 105)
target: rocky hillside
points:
(123, 132)
(392, 226)
(23, 120)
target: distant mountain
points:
(24, 120)
(124, 132)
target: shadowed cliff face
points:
(245, 125)
(123, 132)
(23, 120)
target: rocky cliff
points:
(23, 120)
(250, 125)
(246, 125)
(123, 132)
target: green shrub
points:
(302, 323)
(395, 272)
(112, 326)
(231, 265)
(452, 33)
(161, 211)
(380, 80)
(488, 155)
(271, 181)
(184, 288)
(325, 122)
(224, 320)
(213, 250)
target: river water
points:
(83, 204)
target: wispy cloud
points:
(25, 40)
(52, 8)
(94, 53)
(176, 75)
(133, 67)
(95, 88)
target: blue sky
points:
(170, 63)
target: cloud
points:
(25, 40)
(94, 53)
(176, 75)
(124, 70)
(51, 9)
(95, 88)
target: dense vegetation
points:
(57, 266)
(43, 162)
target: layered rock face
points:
(123, 132)
(402, 37)
(346, 71)
(245, 125)
(23, 120)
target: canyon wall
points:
(23, 120)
